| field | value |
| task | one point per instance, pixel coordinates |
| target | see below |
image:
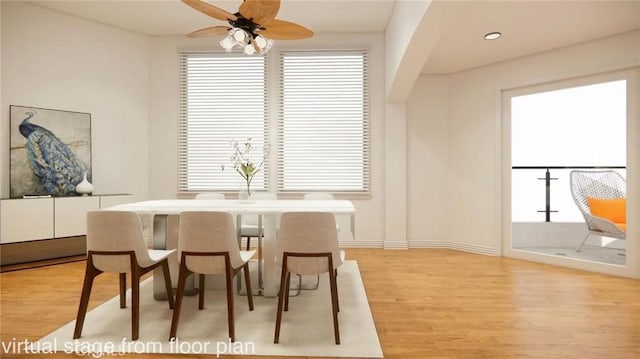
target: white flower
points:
(243, 163)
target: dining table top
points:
(258, 206)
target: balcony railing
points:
(548, 209)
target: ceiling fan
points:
(252, 28)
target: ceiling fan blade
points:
(208, 9)
(261, 11)
(285, 30)
(211, 30)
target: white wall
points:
(57, 61)
(473, 127)
(164, 113)
(427, 162)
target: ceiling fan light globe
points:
(261, 42)
(270, 43)
(227, 43)
(249, 50)
(239, 35)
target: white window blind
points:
(223, 97)
(323, 132)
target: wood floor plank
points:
(429, 303)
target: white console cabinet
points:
(44, 223)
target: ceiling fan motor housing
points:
(245, 24)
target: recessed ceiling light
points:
(492, 35)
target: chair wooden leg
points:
(230, 320)
(247, 282)
(334, 302)
(337, 296)
(135, 303)
(90, 273)
(248, 243)
(286, 292)
(123, 290)
(276, 336)
(182, 278)
(201, 287)
(167, 283)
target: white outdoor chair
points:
(307, 245)
(207, 245)
(604, 185)
(115, 244)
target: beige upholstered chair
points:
(320, 196)
(602, 189)
(315, 196)
(210, 195)
(307, 244)
(207, 245)
(115, 244)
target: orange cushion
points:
(614, 210)
(622, 226)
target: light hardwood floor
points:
(426, 303)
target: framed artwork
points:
(50, 151)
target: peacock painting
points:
(48, 162)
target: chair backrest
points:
(308, 232)
(318, 196)
(116, 231)
(252, 220)
(210, 195)
(202, 231)
(596, 184)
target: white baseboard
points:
(465, 247)
(349, 243)
(472, 248)
(423, 243)
(396, 245)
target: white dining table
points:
(270, 210)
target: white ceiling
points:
(528, 26)
(172, 17)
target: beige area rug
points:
(307, 328)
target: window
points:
(323, 122)
(223, 98)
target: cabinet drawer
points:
(71, 215)
(26, 219)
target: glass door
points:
(553, 132)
